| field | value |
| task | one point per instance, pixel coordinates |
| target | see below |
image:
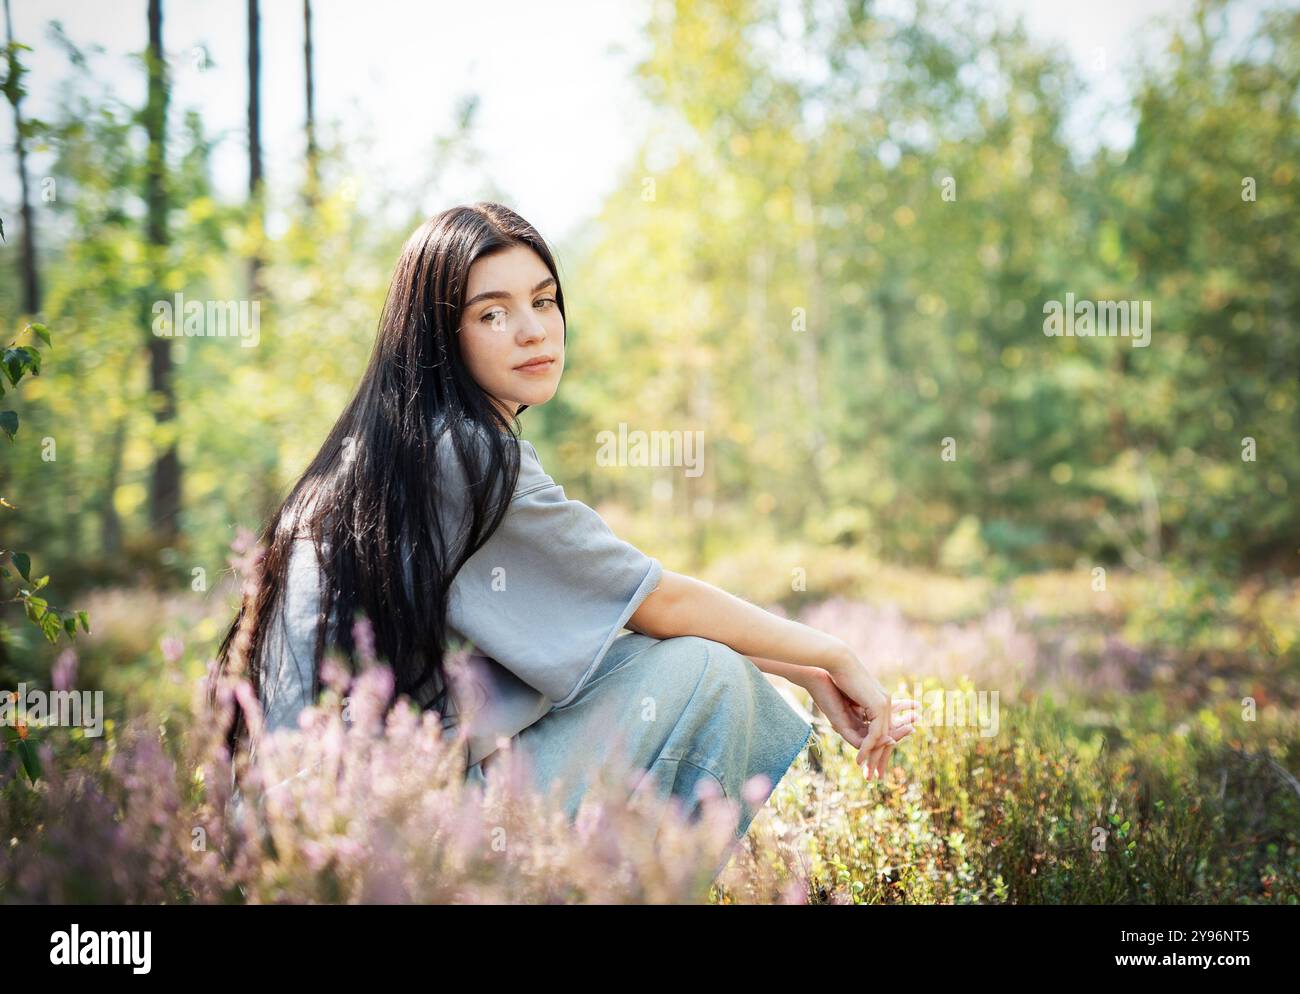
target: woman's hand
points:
(861, 711)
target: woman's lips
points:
(543, 366)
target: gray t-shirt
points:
(539, 604)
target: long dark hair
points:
(372, 491)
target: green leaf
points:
(41, 332)
(51, 625)
(84, 618)
(23, 563)
(70, 626)
(18, 359)
(14, 362)
(33, 358)
(31, 763)
(9, 422)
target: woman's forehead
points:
(516, 269)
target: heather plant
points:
(365, 802)
(1119, 770)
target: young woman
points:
(426, 513)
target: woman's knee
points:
(703, 660)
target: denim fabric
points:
(684, 710)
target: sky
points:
(559, 114)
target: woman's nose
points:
(533, 330)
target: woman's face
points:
(510, 318)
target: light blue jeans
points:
(685, 710)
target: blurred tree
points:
(165, 485)
(14, 92)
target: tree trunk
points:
(165, 485)
(255, 181)
(313, 152)
(263, 484)
(31, 279)
(110, 525)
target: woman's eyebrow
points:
(502, 295)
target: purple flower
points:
(756, 789)
(64, 670)
(363, 634)
(172, 648)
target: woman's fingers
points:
(875, 756)
(883, 765)
(900, 720)
(878, 758)
(875, 733)
(906, 711)
(903, 710)
(852, 734)
(884, 760)
(876, 747)
(855, 737)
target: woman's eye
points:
(492, 316)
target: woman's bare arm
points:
(683, 605)
(803, 676)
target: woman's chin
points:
(534, 398)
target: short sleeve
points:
(551, 589)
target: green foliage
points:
(1052, 810)
(827, 275)
(923, 315)
(17, 361)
